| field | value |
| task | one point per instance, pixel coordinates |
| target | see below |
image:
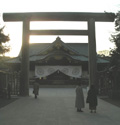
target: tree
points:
(114, 69)
(115, 38)
(3, 42)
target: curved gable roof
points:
(57, 44)
(39, 48)
(36, 50)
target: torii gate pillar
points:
(92, 52)
(24, 78)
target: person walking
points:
(92, 99)
(79, 101)
(36, 87)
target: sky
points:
(103, 30)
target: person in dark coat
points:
(92, 99)
(36, 87)
(79, 101)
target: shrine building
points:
(57, 62)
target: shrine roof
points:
(39, 51)
(39, 48)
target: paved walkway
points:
(55, 106)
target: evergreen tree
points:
(115, 38)
(3, 42)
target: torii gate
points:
(91, 18)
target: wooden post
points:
(24, 76)
(92, 52)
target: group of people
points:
(79, 102)
(91, 99)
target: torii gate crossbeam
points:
(91, 18)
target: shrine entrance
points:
(91, 18)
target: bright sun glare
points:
(16, 35)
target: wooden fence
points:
(9, 81)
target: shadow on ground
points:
(115, 102)
(4, 102)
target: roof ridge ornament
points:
(58, 42)
(58, 38)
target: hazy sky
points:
(102, 29)
(59, 5)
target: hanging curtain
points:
(73, 71)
